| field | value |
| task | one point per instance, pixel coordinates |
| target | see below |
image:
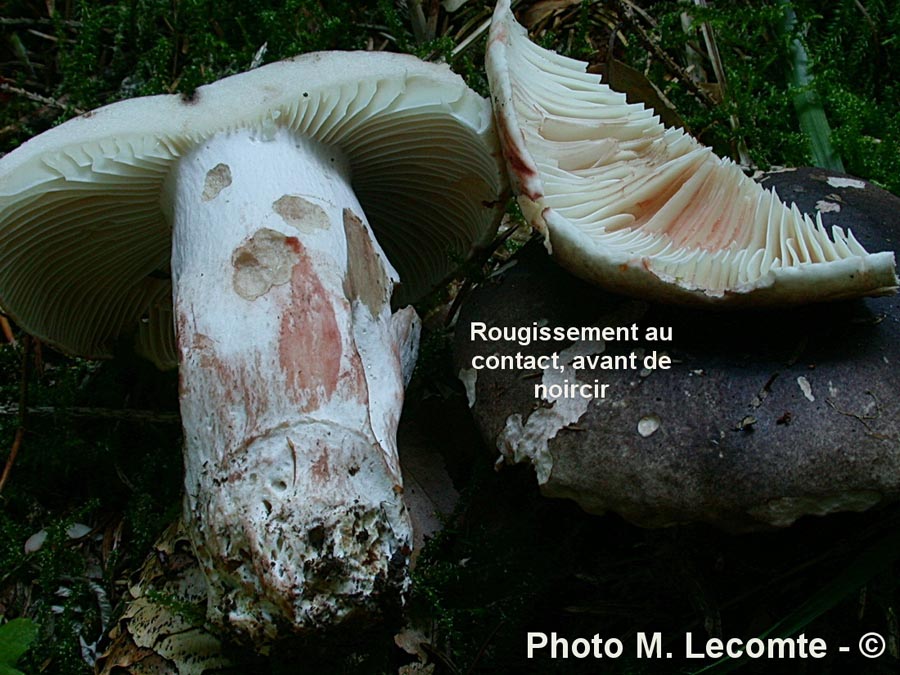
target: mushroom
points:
(762, 418)
(259, 189)
(637, 208)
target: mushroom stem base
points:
(291, 386)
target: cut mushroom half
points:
(249, 205)
(648, 211)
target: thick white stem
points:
(291, 385)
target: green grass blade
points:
(810, 112)
(15, 637)
(864, 567)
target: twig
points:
(23, 406)
(14, 451)
(715, 58)
(471, 37)
(862, 418)
(475, 34)
(45, 36)
(866, 16)
(667, 60)
(484, 646)
(13, 21)
(31, 96)
(633, 7)
(114, 414)
(6, 328)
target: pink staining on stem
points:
(321, 470)
(309, 343)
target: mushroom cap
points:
(637, 208)
(84, 240)
(763, 417)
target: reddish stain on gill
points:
(498, 34)
(309, 341)
(518, 162)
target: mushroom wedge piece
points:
(648, 211)
(259, 190)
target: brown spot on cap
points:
(301, 213)
(217, 179)
(366, 279)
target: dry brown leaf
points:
(542, 9)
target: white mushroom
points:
(645, 210)
(292, 364)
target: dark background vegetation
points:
(508, 561)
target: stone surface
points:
(762, 418)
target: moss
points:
(122, 481)
(854, 58)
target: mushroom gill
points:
(645, 210)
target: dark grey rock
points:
(764, 416)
